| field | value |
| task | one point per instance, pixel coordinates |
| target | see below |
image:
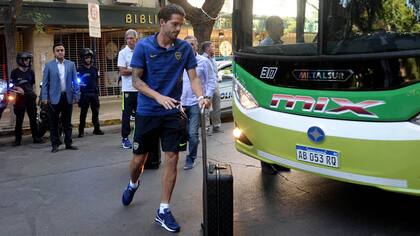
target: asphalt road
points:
(79, 193)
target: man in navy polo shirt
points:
(158, 63)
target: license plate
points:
(318, 156)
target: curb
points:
(27, 130)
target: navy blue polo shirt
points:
(163, 69)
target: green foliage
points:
(399, 16)
(415, 4)
(373, 15)
(367, 13)
(289, 24)
(259, 24)
(411, 68)
(311, 25)
(38, 19)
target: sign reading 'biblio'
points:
(74, 15)
(134, 18)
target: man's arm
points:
(143, 88)
(97, 80)
(211, 80)
(16, 83)
(184, 93)
(196, 88)
(125, 71)
(45, 84)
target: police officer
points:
(89, 91)
(23, 79)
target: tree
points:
(10, 14)
(415, 4)
(400, 17)
(202, 19)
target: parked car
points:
(225, 75)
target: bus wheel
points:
(272, 169)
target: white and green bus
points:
(330, 87)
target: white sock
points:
(134, 185)
(162, 207)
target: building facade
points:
(67, 22)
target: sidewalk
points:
(109, 114)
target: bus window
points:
(370, 28)
(276, 27)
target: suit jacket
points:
(51, 84)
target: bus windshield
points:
(293, 28)
(371, 27)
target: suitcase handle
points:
(203, 141)
(204, 155)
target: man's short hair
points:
(205, 45)
(192, 39)
(57, 45)
(167, 11)
(273, 22)
(130, 32)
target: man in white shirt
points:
(190, 102)
(208, 50)
(129, 93)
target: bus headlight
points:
(245, 98)
(237, 132)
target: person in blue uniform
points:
(89, 92)
(23, 79)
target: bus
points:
(330, 87)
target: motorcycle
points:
(43, 119)
(7, 94)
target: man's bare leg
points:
(164, 216)
(137, 166)
(169, 176)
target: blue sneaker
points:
(167, 221)
(128, 195)
(189, 164)
(126, 144)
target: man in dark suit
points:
(60, 90)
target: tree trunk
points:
(10, 31)
(202, 31)
(202, 20)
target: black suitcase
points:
(217, 193)
(153, 159)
